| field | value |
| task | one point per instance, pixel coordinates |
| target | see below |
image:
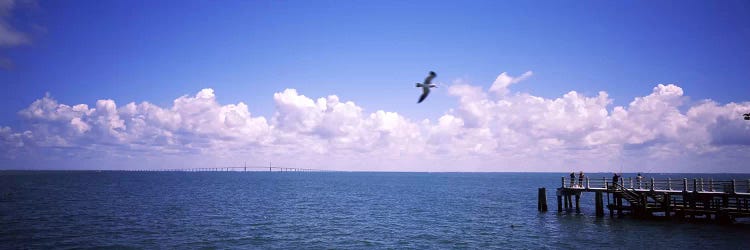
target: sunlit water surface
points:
(321, 210)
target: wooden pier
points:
(719, 200)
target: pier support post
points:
(578, 203)
(559, 202)
(570, 200)
(644, 208)
(667, 204)
(618, 202)
(692, 197)
(599, 204)
(610, 206)
(542, 206)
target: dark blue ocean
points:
(267, 210)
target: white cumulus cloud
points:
(503, 131)
(503, 81)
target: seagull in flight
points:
(426, 85)
(747, 116)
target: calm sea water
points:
(321, 210)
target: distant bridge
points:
(233, 169)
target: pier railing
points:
(702, 185)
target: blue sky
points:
(370, 53)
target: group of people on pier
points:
(581, 177)
(618, 178)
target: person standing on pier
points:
(639, 179)
(572, 179)
(614, 180)
(580, 179)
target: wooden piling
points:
(578, 204)
(599, 204)
(570, 201)
(542, 206)
(667, 205)
(559, 202)
(610, 206)
(619, 204)
(693, 196)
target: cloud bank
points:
(488, 130)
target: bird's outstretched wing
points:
(429, 77)
(425, 92)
